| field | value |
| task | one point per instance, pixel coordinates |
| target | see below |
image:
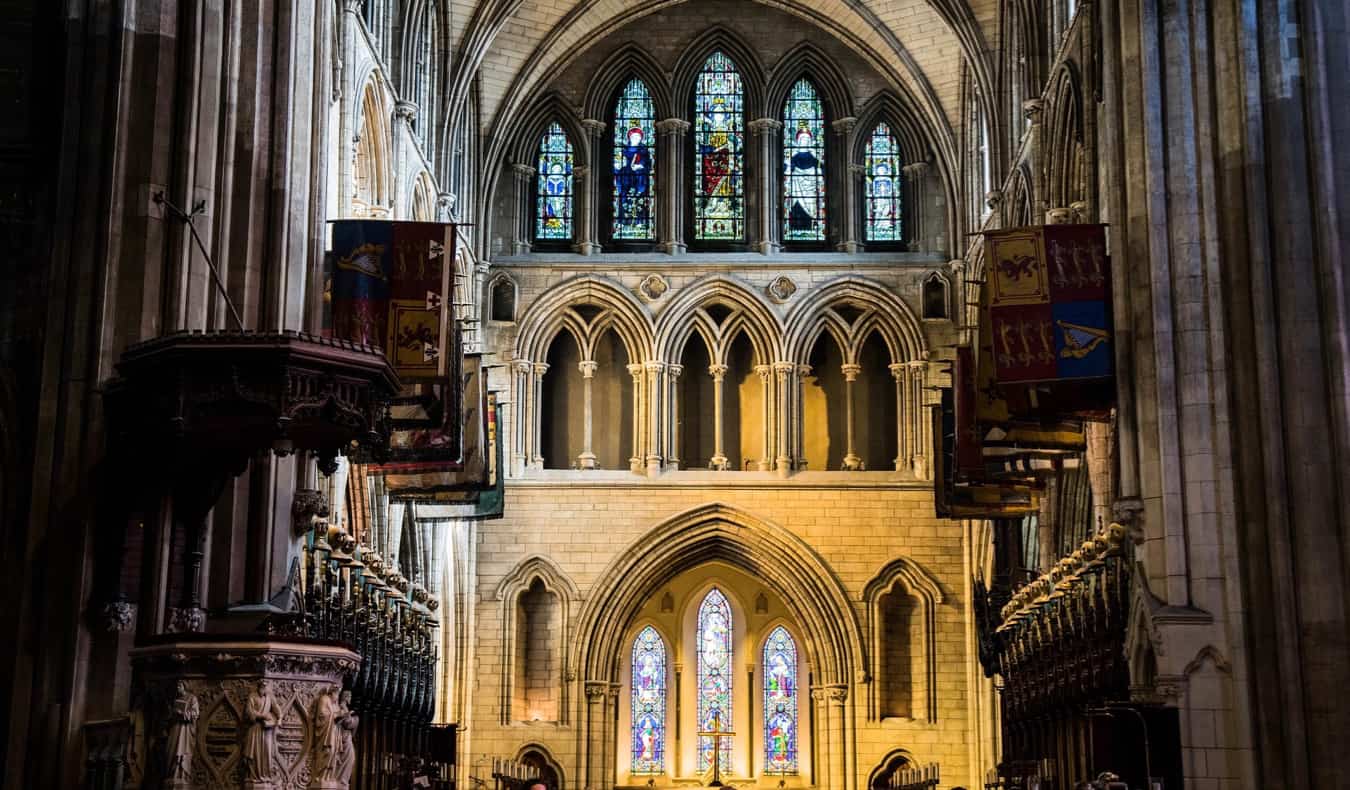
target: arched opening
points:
(742, 417)
(899, 673)
(542, 768)
(503, 300)
(537, 654)
(696, 429)
(824, 432)
(803, 193)
(874, 406)
(934, 297)
(887, 773)
(562, 416)
(611, 404)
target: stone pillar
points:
(916, 185)
(297, 682)
(587, 458)
(923, 429)
(902, 415)
(596, 744)
(718, 373)
(348, 123)
(536, 423)
(958, 296)
(587, 177)
(524, 186)
(823, 754)
(635, 461)
(852, 463)
(672, 422)
(656, 405)
(786, 419)
(765, 373)
(769, 171)
(523, 392)
(670, 202)
(835, 695)
(846, 222)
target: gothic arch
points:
(1063, 148)
(374, 154)
(895, 760)
(886, 106)
(626, 63)
(919, 584)
(519, 581)
(741, 53)
(545, 756)
(806, 61)
(1020, 203)
(422, 202)
(829, 633)
(524, 148)
(682, 317)
(626, 316)
(883, 312)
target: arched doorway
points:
(887, 772)
(543, 769)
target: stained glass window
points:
(714, 677)
(719, 160)
(634, 142)
(553, 195)
(649, 703)
(780, 703)
(803, 164)
(882, 173)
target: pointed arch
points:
(623, 64)
(808, 586)
(916, 631)
(691, 61)
(781, 683)
(373, 169)
(650, 657)
(524, 595)
(882, 311)
(752, 314)
(807, 60)
(1063, 149)
(545, 315)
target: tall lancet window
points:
(803, 164)
(719, 152)
(634, 142)
(780, 703)
(553, 194)
(714, 677)
(649, 703)
(881, 163)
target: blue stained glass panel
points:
(649, 703)
(803, 164)
(719, 154)
(714, 677)
(780, 703)
(554, 193)
(634, 202)
(881, 163)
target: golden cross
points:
(717, 734)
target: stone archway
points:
(831, 637)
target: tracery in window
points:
(719, 162)
(634, 144)
(714, 677)
(881, 163)
(780, 703)
(553, 195)
(649, 703)
(803, 164)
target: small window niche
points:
(935, 298)
(502, 302)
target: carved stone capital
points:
(1034, 110)
(596, 690)
(844, 125)
(915, 170)
(1080, 211)
(540, 368)
(117, 616)
(635, 370)
(1059, 216)
(784, 369)
(186, 620)
(587, 369)
(307, 506)
(717, 371)
(672, 126)
(593, 127)
(405, 111)
(857, 169)
(674, 371)
(850, 371)
(765, 125)
(523, 170)
(993, 198)
(897, 369)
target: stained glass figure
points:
(553, 195)
(634, 164)
(649, 703)
(714, 676)
(780, 703)
(803, 164)
(719, 160)
(882, 168)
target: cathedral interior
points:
(597, 394)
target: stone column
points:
(718, 373)
(768, 172)
(786, 420)
(656, 405)
(536, 423)
(524, 185)
(852, 463)
(672, 423)
(595, 742)
(670, 202)
(765, 373)
(847, 222)
(916, 185)
(922, 431)
(958, 269)
(902, 415)
(636, 459)
(587, 458)
(587, 177)
(823, 754)
(796, 415)
(835, 696)
(854, 237)
(348, 123)
(523, 394)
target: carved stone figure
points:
(346, 756)
(328, 741)
(260, 720)
(183, 713)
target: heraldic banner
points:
(1049, 305)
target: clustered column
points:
(718, 373)
(588, 204)
(655, 406)
(636, 459)
(587, 458)
(524, 181)
(766, 134)
(787, 422)
(523, 393)
(847, 181)
(765, 373)
(916, 182)
(670, 205)
(672, 420)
